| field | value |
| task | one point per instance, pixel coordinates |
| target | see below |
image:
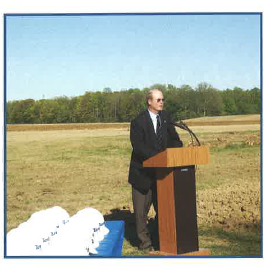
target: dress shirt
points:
(153, 117)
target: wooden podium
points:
(177, 215)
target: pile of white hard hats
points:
(52, 232)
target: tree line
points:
(122, 106)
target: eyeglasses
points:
(160, 99)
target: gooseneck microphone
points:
(183, 126)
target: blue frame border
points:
(132, 14)
(261, 127)
(5, 139)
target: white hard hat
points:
(53, 232)
(13, 242)
(104, 230)
(88, 225)
(32, 237)
(95, 218)
(73, 240)
(49, 218)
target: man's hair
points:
(150, 95)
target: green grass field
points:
(87, 167)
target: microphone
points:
(183, 126)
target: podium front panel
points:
(177, 215)
(166, 211)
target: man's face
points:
(156, 103)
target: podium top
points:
(176, 157)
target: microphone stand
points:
(183, 126)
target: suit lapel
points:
(164, 129)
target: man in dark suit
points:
(150, 133)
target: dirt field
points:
(225, 120)
(248, 120)
(89, 167)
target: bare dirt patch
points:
(233, 206)
(234, 119)
(224, 121)
(66, 126)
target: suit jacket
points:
(144, 143)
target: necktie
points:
(159, 133)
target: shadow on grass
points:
(129, 219)
(130, 228)
(232, 242)
(221, 242)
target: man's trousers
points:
(141, 205)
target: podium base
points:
(200, 252)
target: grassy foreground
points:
(79, 168)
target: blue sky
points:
(51, 56)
